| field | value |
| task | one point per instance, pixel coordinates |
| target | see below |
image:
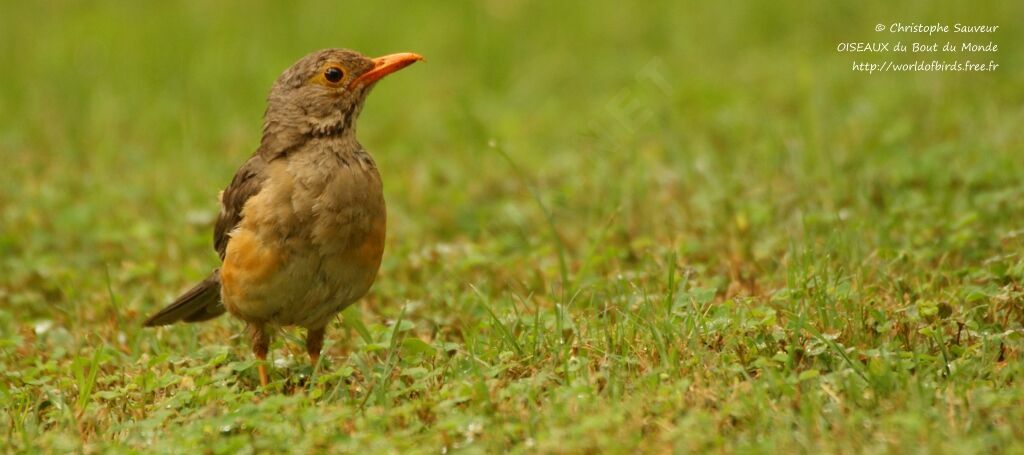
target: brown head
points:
(322, 94)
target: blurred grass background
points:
(727, 195)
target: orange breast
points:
(372, 248)
(247, 263)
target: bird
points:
(302, 224)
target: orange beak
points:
(382, 66)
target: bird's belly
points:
(299, 258)
(294, 282)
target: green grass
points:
(669, 227)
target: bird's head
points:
(322, 94)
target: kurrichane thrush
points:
(301, 226)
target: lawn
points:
(663, 227)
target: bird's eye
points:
(333, 74)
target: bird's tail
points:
(200, 303)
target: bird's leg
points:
(315, 342)
(260, 346)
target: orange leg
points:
(314, 343)
(260, 346)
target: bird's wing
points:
(246, 183)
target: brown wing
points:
(244, 185)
